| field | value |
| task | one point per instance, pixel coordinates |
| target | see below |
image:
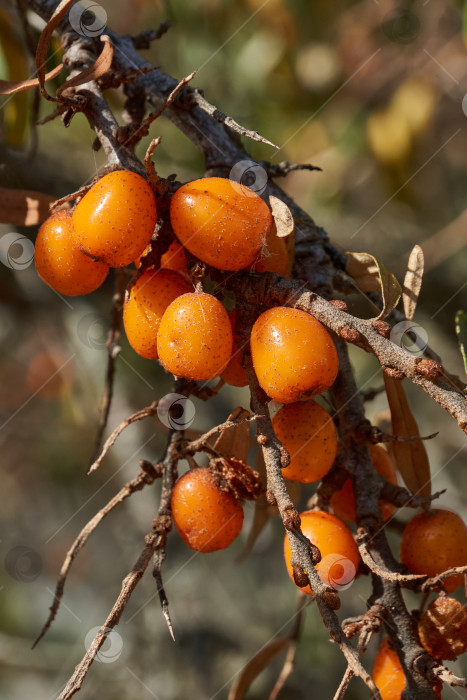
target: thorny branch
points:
(320, 266)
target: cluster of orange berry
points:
(229, 227)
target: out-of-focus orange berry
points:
(234, 374)
(149, 297)
(309, 434)
(195, 337)
(206, 518)
(343, 501)
(221, 222)
(115, 220)
(434, 542)
(387, 673)
(60, 263)
(339, 553)
(293, 354)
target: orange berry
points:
(274, 255)
(60, 264)
(206, 518)
(387, 673)
(339, 553)
(234, 374)
(434, 542)
(115, 220)
(195, 337)
(293, 354)
(343, 501)
(173, 259)
(309, 434)
(149, 297)
(221, 222)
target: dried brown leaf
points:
(23, 207)
(372, 276)
(235, 441)
(411, 457)
(44, 41)
(283, 218)
(11, 87)
(100, 66)
(257, 664)
(413, 281)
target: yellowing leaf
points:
(254, 667)
(413, 281)
(411, 457)
(283, 218)
(371, 276)
(23, 207)
(235, 441)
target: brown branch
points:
(113, 349)
(144, 478)
(269, 288)
(433, 583)
(202, 443)
(139, 415)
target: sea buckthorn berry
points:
(206, 518)
(293, 354)
(60, 264)
(339, 553)
(173, 259)
(234, 374)
(387, 673)
(434, 542)
(274, 256)
(149, 297)
(115, 220)
(221, 222)
(309, 434)
(443, 628)
(195, 337)
(343, 501)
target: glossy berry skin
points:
(434, 542)
(339, 553)
(387, 673)
(307, 431)
(293, 354)
(221, 222)
(195, 337)
(234, 374)
(115, 220)
(206, 518)
(343, 501)
(60, 264)
(149, 297)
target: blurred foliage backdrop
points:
(374, 93)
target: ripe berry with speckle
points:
(434, 542)
(206, 518)
(115, 220)
(60, 264)
(195, 337)
(221, 222)
(307, 431)
(293, 354)
(149, 297)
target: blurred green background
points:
(373, 92)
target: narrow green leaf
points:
(461, 330)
